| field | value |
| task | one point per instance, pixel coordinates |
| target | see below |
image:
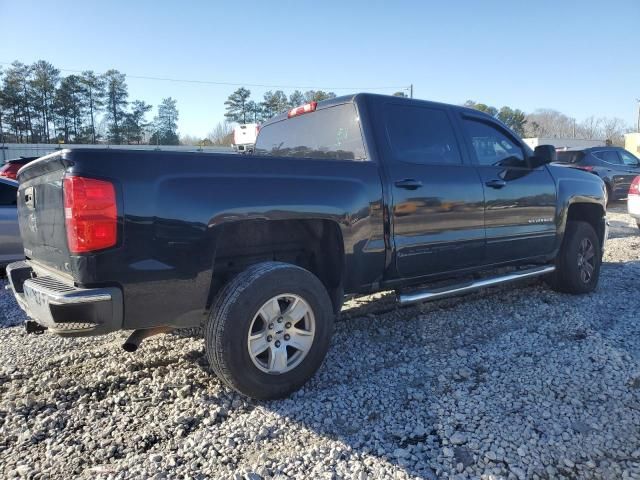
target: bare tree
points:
(589, 129)
(190, 140)
(221, 134)
(549, 123)
(613, 129)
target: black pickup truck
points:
(352, 195)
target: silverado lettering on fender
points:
(351, 195)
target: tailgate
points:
(41, 212)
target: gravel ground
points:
(506, 383)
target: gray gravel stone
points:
(458, 438)
(514, 382)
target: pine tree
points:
(45, 78)
(318, 95)
(254, 112)
(135, 124)
(165, 124)
(296, 99)
(17, 101)
(116, 95)
(93, 96)
(274, 103)
(514, 119)
(236, 106)
(68, 107)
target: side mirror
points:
(544, 154)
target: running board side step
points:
(405, 299)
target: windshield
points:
(330, 133)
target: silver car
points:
(10, 242)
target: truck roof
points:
(352, 98)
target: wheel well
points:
(590, 213)
(315, 245)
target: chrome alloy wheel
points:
(586, 260)
(281, 334)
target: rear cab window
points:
(570, 156)
(331, 133)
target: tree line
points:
(241, 108)
(551, 123)
(38, 105)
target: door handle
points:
(409, 184)
(496, 183)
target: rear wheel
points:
(579, 260)
(269, 330)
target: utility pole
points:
(638, 100)
(411, 96)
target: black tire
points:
(569, 277)
(227, 329)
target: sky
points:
(578, 57)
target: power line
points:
(235, 84)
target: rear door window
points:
(421, 135)
(608, 156)
(330, 133)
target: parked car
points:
(244, 137)
(352, 195)
(10, 242)
(616, 166)
(10, 168)
(633, 200)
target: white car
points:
(633, 200)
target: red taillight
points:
(634, 189)
(587, 168)
(90, 214)
(306, 108)
(10, 170)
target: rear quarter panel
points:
(173, 205)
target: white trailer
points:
(244, 137)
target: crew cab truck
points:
(351, 195)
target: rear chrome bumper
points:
(62, 308)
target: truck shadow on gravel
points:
(508, 381)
